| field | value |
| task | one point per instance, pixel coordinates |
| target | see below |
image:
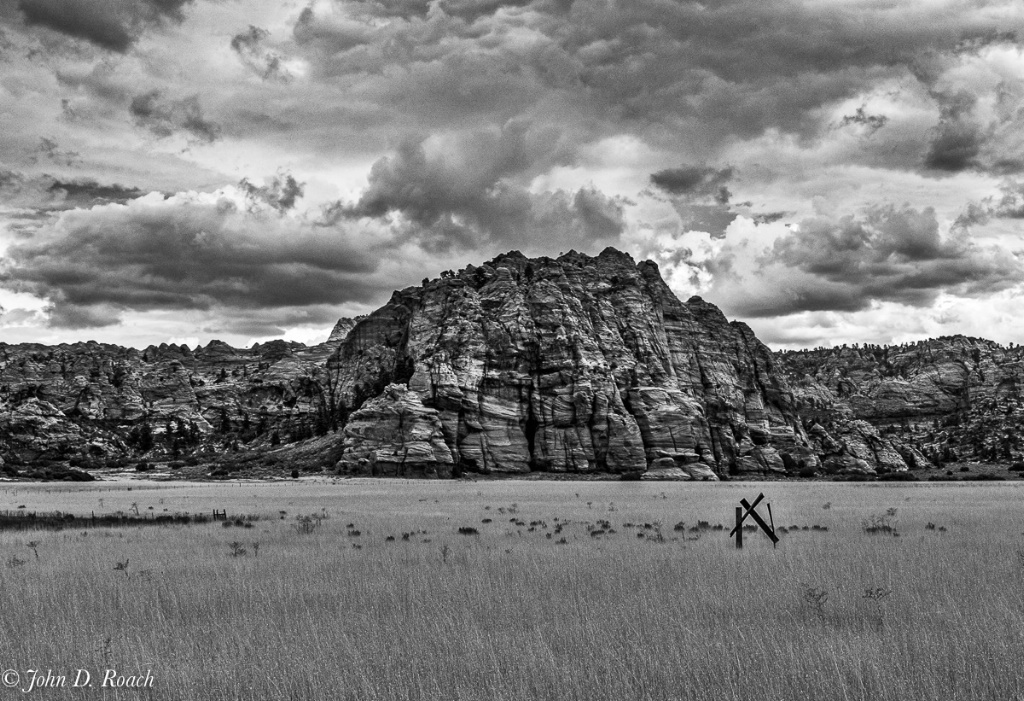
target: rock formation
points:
(944, 399)
(98, 404)
(575, 365)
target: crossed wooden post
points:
(741, 515)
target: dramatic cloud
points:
(849, 264)
(110, 24)
(280, 192)
(166, 117)
(470, 195)
(45, 193)
(694, 180)
(184, 252)
(870, 122)
(700, 196)
(264, 62)
(86, 193)
(408, 136)
(1011, 204)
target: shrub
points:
(295, 473)
(143, 466)
(807, 472)
(898, 477)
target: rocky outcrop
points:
(395, 435)
(938, 400)
(574, 365)
(98, 403)
(341, 329)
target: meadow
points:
(588, 591)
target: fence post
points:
(739, 527)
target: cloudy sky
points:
(827, 171)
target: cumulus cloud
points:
(850, 263)
(471, 194)
(166, 117)
(454, 129)
(110, 24)
(184, 252)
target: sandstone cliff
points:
(100, 405)
(577, 364)
(945, 399)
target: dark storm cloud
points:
(182, 253)
(958, 139)
(769, 217)
(871, 122)
(471, 10)
(955, 147)
(73, 316)
(695, 181)
(892, 255)
(274, 323)
(700, 196)
(44, 194)
(111, 24)
(249, 46)
(468, 10)
(280, 192)
(472, 194)
(165, 117)
(710, 70)
(86, 193)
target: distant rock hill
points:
(94, 405)
(954, 398)
(578, 365)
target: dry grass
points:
(513, 614)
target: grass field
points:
(536, 605)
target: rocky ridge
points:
(99, 405)
(947, 399)
(580, 365)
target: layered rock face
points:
(942, 399)
(395, 435)
(579, 364)
(574, 365)
(90, 401)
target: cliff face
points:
(579, 364)
(573, 365)
(943, 399)
(99, 404)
